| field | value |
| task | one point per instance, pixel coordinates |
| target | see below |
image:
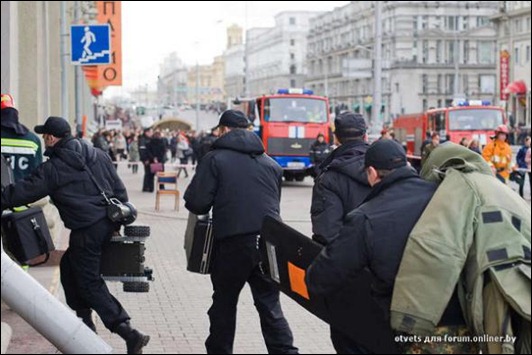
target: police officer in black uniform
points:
(84, 212)
(242, 185)
(20, 147)
(340, 187)
(374, 235)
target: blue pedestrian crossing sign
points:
(90, 44)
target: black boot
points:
(86, 317)
(135, 340)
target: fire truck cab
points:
(469, 119)
(288, 122)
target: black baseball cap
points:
(56, 126)
(385, 154)
(233, 119)
(350, 124)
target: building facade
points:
(31, 61)
(234, 57)
(206, 83)
(172, 86)
(513, 42)
(276, 57)
(432, 51)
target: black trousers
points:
(80, 274)
(344, 344)
(523, 182)
(148, 184)
(235, 262)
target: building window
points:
(293, 83)
(438, 83)
(486, 54)
(439, 50)
(414, 52)
(451, 23)
(416, 23)
(528, 54)
(292, 21)
(466, 51)
(528, 24)
(425, 22)
(292, 56)
(293, 69)
(424, 83)
(465, 83)
(292, 42)
(517, 25)
(516, 55)
(482, 21)
(465, 23)
(425, 105)
(486, 83)
(425, 57)
(450, 52)
(449, 83)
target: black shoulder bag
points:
(25, 233)
(116, 211)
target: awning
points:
(517, 87)
(173, 124)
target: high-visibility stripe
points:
(13, 142)
(18, 150)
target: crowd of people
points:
(418, 234)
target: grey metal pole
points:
(64, 60)
(456, 64)
(46, 314)
(78, 76)
(197, 96)
(377, 70)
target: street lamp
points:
(377, 69)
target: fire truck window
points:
(437, 122)
(267, 110)
(295, 110)
(474, 119)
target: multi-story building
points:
(172, 81)
(432, 51)
(32, 60)
(208, 89)
(234, 63)
(276, 57)
(513, 42)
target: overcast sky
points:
(153, 29)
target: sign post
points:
(90, 44)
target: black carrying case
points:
(201, 251)
(123, 258)
(27, 235)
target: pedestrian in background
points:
(319, 151)
(240, 198)
(134, 154)
(434, 143)
(498, 154)
(146, 158)
(524, 165)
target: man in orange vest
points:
(498, 154)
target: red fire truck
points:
(469, 119)
(288, 123)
